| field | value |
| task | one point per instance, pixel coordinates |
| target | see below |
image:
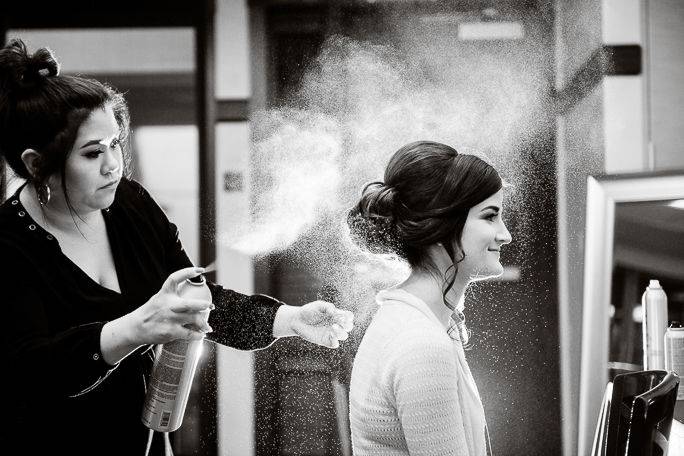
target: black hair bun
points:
(372, 222)
(20, 70)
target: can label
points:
(170, 385)
(674, 355)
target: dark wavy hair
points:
(428, 190)
(41, 109)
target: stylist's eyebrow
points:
(91, 143)
(494, 208)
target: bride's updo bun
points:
(371, 222)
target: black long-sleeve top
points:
(60, 396)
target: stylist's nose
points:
(111, 162)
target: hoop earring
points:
(43, 192)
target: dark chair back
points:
(641, 412)
(652, 415)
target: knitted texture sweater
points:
(411, 390)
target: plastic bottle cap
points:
(654, 284)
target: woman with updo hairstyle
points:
(90, 269)
(411, 390)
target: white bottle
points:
(174, 368)
(654, 303)
(674, 361)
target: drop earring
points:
(43, 192)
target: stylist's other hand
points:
(167, 316)
(319, 322)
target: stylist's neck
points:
(56, 212)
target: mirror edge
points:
(603, 193)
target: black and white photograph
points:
(342, 227)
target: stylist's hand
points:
(167, 316)
(319, 322)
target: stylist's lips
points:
(112, 184)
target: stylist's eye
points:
(491, 217)
(93, 153)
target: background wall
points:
(665, 33)
(235, 377)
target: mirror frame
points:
(603, 193)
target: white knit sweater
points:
(411, 390)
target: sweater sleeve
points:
(425, 387)
(239, 321)
(66, 363)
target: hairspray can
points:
(173, 370)
(654, 303)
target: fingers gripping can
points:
(173, 370)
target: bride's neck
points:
(429, 287)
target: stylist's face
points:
(94, 165)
